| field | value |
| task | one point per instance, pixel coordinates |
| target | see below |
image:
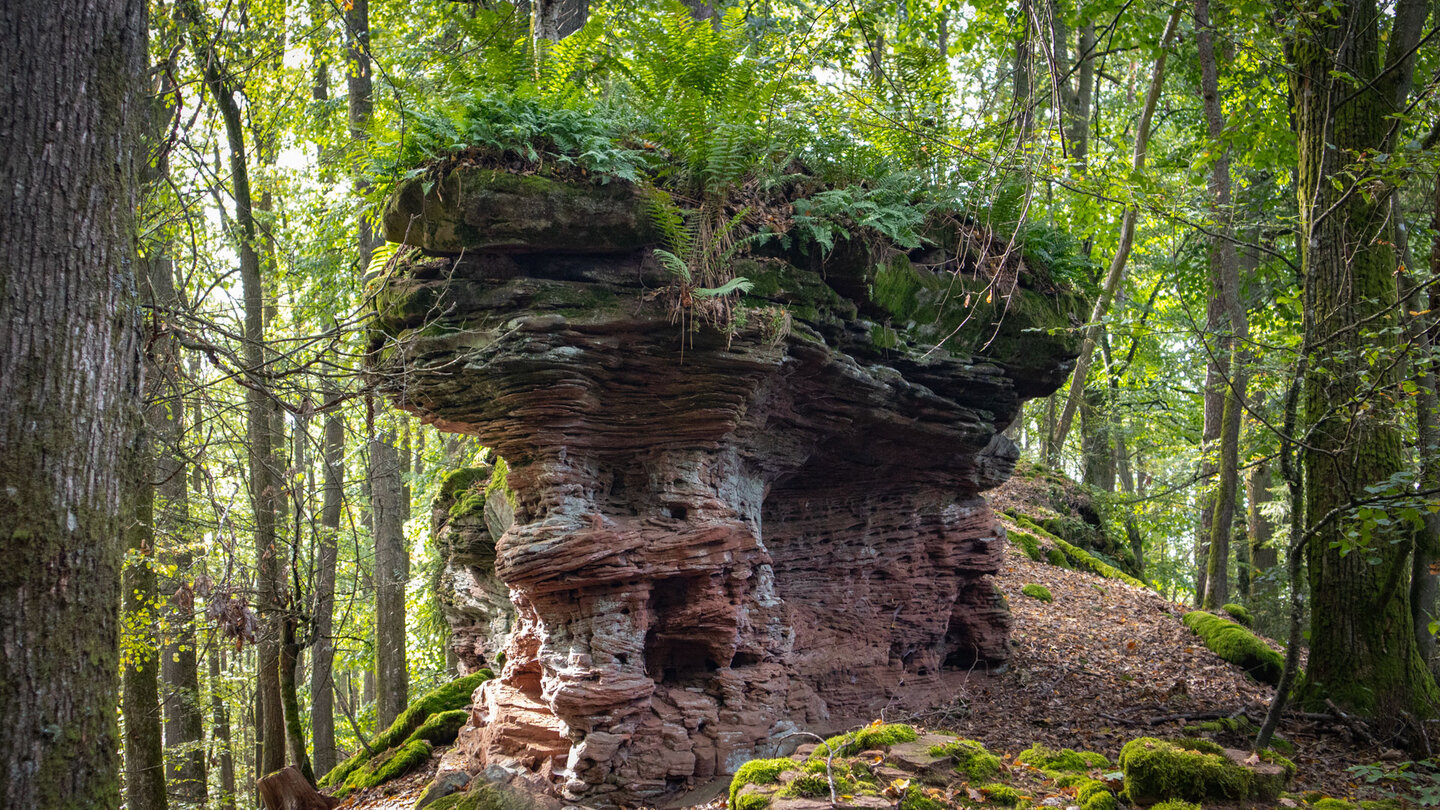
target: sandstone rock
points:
(718, 536)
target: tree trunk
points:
(263, 480)
(70, 384)
(322, 683)
(220, 731)
(144, 745)
(392, 572)
(1362, 655)
(556, 19)
(288, 790)
(294, 731)
(1225, 280)
(1419, 326)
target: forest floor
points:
(1102, 664)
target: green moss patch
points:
(391, 764)
(1066, 760)
(868, 738)
(1057, 558)
(1039, 592)
(484, 796)
(1095, 795)
(917, 798)
(1078, 557)
(1239, 613)
(1237, 645)
(1191, 770)
(971, 759)
(1176, 804)
(759, 772)
(1028, 544)
(1002, 795)
(444, 698)
(441, 728)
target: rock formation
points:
(716, 533)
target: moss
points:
(1039, 592)
(1028, 544)
(500, 482)
(758, 772)
(1092, 794)
(462, 479)
(1156, 770)
(1056, 557)
(870, 737)
(1237, 645)
(1176, 804)
(750, 801)
(1242, 731)
(391, 764)
(1332, 804)
(1079, 556)
(1239, 613)
(443, 698)
(808, 785)
(1199, 745)
(483, 796)
(971, 759)
(1066, 760)
(1003, 795)
(916, 798)
(441, 728)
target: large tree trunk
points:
(288, 790)
(271, 734)
(1225, 282)
(69, 381)
(1362, 654)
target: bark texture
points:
(1363, 654)
(69, 378)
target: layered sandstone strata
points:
(713, 536)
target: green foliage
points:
(759, 772)
(1039, 592)
(971, 759)
(1237, 645)
(1417, 782)
(915, 798)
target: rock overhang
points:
(718, 534)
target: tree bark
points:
(1419, 330)
(556, 19)
(288, 790)
(70, 384)
(144, 743)
(392, 572)
(1363, 655)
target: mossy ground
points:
(391, 764)
(1193, 770)
(484, 796)
(444, 698)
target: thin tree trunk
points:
(1122, 249)
(322, 683)
(70, 384)
(263, 480)
(392, 572)
(1419, 328)
(1225, 279)
(220, 730)
(144, 745)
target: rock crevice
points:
(711, 537)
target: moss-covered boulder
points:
(441, 728)
(1157, 770)
(444, 698)
(1238, 645)
(1065, 760)
(1239, 613)
(1067, 509)
(971, 759)
(484, 795)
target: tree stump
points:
(286, 789)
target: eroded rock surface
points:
(717, 539)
